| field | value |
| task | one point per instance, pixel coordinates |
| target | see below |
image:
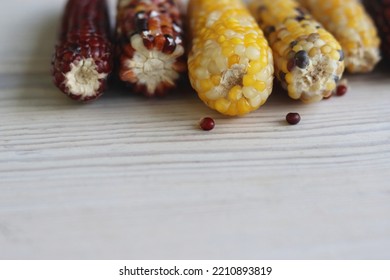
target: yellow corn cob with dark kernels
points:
(352, 27)
(380, 12)
(150, 37)
(308, 59)
(230, 64)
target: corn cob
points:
(308, 60)
(83, 56)
(150, 36)
(352, 27)
(380, 12)
(230, 63)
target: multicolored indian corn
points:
(150, 38)
(308, 60)
(353, 28)
(380, 12)
(83, 57)
(230, 63)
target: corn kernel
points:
(205, 85)
(248, 81)
(326, 49)
(235, 93)
(243, 106)
(234, 59)
(254, 67)
(260, 86)
(222, 105)
(216, 79)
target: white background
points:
(127, 177)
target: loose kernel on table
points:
(293, 118)
(207, 124)
(341, 90)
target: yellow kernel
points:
(228, 51)
(284, 67)
(236, 41)
(335, 55)
(260, 86)
(264, 61)
(205, 85)
(313, 52)
(333, 44)
(326, 49)
(232, 111)
(202, 95)
(330, 86)
(289, 78)
(243, 107)
(235, 93)
(292, 92)
(349, 46)
(297, 48)
(216, 79)
(248, 81)
(249, 40)
(254, 67)
(234, 59)
(222, 105)
(221, 39)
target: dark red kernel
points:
(148, 41)
(207, 124)
(170, 44)
(290, 65)
(293, 118)
(341, 90)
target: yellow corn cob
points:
(308, 59)
(352, 27)
(230, 64)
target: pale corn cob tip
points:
(83, 57)
(230, 63)
(308, 60)
(353, 28)
(150, 36)
(83, 78)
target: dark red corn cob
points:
(380, 11)
(150, 38)
(83, 56)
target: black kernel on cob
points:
(83, 57)
(309, 61)
(380, 11)
(150, 39)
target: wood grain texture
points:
(132, 178)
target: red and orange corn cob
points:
(308, 60)
(83, 56)
(150, 38)
(348, 21)
(380, 12)
(230, 63)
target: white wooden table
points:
(127, 177)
